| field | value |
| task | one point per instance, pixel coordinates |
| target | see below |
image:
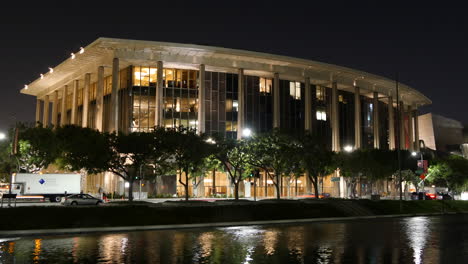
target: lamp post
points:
(414, 154)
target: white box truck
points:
(50, 186)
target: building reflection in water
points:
(37, 250)
(404, 240)
(417, 231)
(112, 248)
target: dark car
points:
(443, 196)
(81, 199)
(422, 196)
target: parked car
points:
(422, 196)
(443, 196)
(81, 199)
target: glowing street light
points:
(2, 136)
(348, 148)
(414, 153)
(246, 132)
(210, 140)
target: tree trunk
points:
(130, 189)
(186, 185)
(236, 190)
(315, 183)
(213, 192)
(277, 186)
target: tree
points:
(83, 148)
(8, 164)
(234, 157)
(451, 172)
(374, 164)
(316, 159)
(271, 152)
(189, 151)
(212, 164)
(123, 154)
(38, 148)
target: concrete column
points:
(45, 113)
(376, 126)
(391, 124)
(335, 122)
(159, 95)
(100, 99)
(308, 105)
(276, 101)
(87, 82)
(201, 100)
(63, 109)
(241, 103)
(410, 128)
(357, 118)
(76, 83)
(38, 111)
(402, 126)
(114, 115)
(416, 130)
(55, 109)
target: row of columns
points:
(99, 125)
(114, 117)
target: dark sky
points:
(427, 45)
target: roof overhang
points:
(147, 53)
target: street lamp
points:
(246, 132)
(210, 140)
(414, 154)
(348, 148)
(2, 136)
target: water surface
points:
(398, 240)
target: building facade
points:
(442, 134)
(129, 85)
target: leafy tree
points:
(451, 172)
(8, 163)
(38, 148)
(189, 151)
(374, 164)
(83, 148)
(212, 164)
(351, 166)
(234, 157)
(316, 159)
(123, 154)
(271, 152)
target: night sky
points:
(427, 45)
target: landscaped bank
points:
(173, 213)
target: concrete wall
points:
(426, 130)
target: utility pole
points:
(398, 126)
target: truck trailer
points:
(49, 186)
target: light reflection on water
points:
(405, 240)
(417, 230)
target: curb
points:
(66, 231)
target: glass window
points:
(320, 93)
(321, 114)
(265, 85)
(235, 106)
(169, 78)
(141, 76)
(295, 90)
